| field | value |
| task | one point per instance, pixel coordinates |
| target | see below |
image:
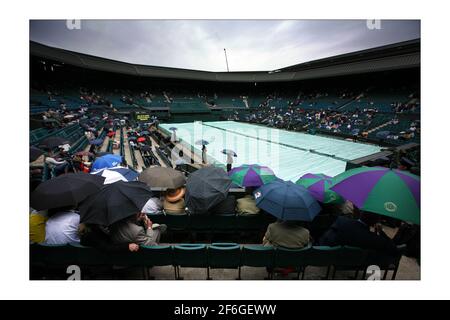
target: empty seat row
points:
(216, 256)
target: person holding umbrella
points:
(230, 154)
(120, 207)
(357, 233)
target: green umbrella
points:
(251, 175)
(389, 192)
(319, 187)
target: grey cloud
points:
(198, 44)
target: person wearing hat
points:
(174, 201)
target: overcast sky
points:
(252, 45)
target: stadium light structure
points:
(226, 59)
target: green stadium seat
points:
(190, 256)
(224, 256)
(349, 258)
(258, 256)
(292, 258)
(322, 256)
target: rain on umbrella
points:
(114, 202)
(161, 177)
(66, 190)
(287, 201)
(201, 142)
(251, 175)
(206, 188)
(229, 152)
(107, 161)
(319, 187)
(35, 153)
(112, 175)
(388, 192)
(53, 142)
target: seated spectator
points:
(38, 220)
(92, 235)
(227, 206)
(58, 165)
(286, 234)
(357, 233)
(247, 205)
(177, 207)
(152, 206)
(137, 229)
(62, 227)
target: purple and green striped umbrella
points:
(388, 192)
(319, 187)
(251, 175)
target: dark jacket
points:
(350, 232)
(98, 239)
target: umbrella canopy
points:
(201, 142)
(131, 138)
(141, 139)
(206, 188)
(251, 175)
(160, 177)
(66, 190)
(96, 142)
(229, 152)
(319, 187)
(53, 142)
(287, 201)
(35, 153)
(107, 161)
(114, 202)
(388, 192)
(145, 132)
(111, 134)
(173, 128)
(112, 175)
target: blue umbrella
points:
(108, 161)
(383, 134)
(202, 142)
(287, 201)
(145, 132)
(112, 175)
(96, 142)
(173, 128)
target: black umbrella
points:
(114, 202)
(53, 142)
(206, 188)
(35, 153)
(66, 190)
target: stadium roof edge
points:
(389, 57)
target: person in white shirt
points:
(173, 138)
(152, 206)
(62, 228)
(229, 161)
